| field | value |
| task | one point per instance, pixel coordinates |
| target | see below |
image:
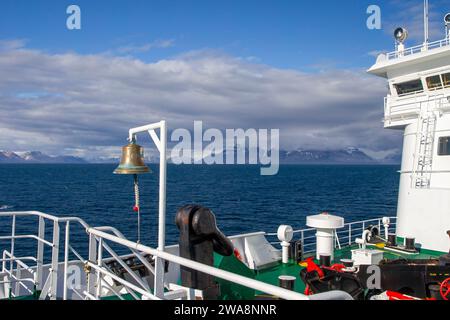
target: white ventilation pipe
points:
(326, 226)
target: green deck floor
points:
(271, 275)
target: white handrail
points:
(55, 249)
(417, 49)
(225, 275)
(99, 234)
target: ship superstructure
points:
(418, 103)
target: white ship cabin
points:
(418, 81)
(418, 102)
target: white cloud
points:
(132, 48)
(84, 104)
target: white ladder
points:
(425, 148)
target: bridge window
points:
(444, 146)
(434, 82)
(446, 79)
(409, 87)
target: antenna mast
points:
(426, 17)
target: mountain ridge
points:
(37, 157)
(349, 156)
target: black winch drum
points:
(287, 282)
(374, 230)
(325, 260)
(410, 244)
(392, 239)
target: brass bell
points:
(132, 161)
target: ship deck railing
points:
(31, 275)
(418, 49)
(345, 236)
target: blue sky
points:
(285, 34)
(293, 65)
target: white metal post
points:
(426, 23)
(55, 260)
(379, 227)
(159, 263)
(92, 258)
(161, 144)
(4, 262)
(5, 278)
(66, 258)
(99, 264)
(13, 236)
(11, 262)
(350, 234)
(40, 254)
(18, 283)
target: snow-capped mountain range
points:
(36, 157)
(342, 156)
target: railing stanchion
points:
(4, 261)
(350, 234)
(40, 254)
(66, 258)
(13, 243)
(55, 261)
(303, 240)
(99, 264)
(18, 283)
(92, 257)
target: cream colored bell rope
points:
(137, 207)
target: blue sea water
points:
(242, 200)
